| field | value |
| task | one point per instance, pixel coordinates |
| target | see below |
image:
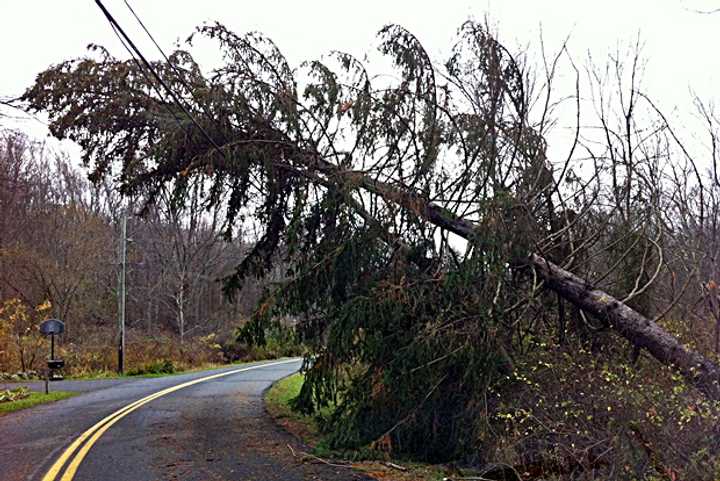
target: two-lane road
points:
(207, 425)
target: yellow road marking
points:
(96, 431)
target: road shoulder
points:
(305, 430)
(31, 399)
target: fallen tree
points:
(417, 221)
(632, 325)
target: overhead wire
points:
(152, 84)
(180, 77)
(187, 86)
(148, 66)
(178, 73)
(123, 36)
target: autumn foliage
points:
(21, 344)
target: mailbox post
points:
(52, 327)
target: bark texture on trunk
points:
(636, 328)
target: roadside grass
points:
(150, 370)
(160, 369)
(33, 399)
(279, 396)
(15, 399)
(278, 401)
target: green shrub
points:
(254, 342)
(163, 366)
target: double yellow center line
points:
(87, 439)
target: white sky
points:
(679, 44)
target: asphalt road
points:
(186, 428)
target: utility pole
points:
(121, 296)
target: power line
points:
(162, 52)
(149, 67)
(179, 74)
(142, 70)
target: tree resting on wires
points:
(417, 215)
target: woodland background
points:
(59, 258)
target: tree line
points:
(59, 246)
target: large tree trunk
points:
(636, 328)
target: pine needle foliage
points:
(408, 326)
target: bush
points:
(21, 344)
(577, 414)
(91, 351)
(10, 395)
(96, 353)
(164, 366)
(277, 340)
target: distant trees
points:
(54, 246)
(20, 342)
(59, 241)
(183, 241)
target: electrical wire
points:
(152, 84)
(178, 73)
(157, 77)
(176, 99)
(162, 52)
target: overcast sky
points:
(679, 44)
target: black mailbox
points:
(55, 364)
(52, 328)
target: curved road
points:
(208, 425)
